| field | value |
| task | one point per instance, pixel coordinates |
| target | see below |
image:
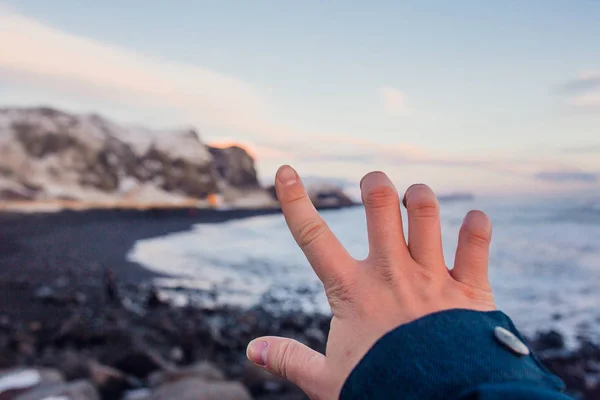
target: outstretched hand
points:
(397, 283)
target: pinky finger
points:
(472, 253)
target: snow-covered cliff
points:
(46, 154)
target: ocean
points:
(544, 263)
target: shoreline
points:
(53, 304)
(123, 227)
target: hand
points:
(396, 284)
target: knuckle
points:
(424, 208)
(421, 202)
(310, 231)
(287, 355)
(478, 239)
(477, 229)
(293, 196)
(382, 196)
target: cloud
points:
(582, 93)
(393, 100)
(35, 53)
(342, 149)
(40, 55)
(366, 154)
(254, 150)
(593, 148)
(588, 101)
(567, 176)
(586, 81)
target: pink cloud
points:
(35, 52)
(588, 101)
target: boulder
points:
(72, 364)
(579, 368)
(49, 295)
(22, 379)
(78, 390)
(138, 394)
(141, 362)
(199, 389)
(203, 370)
(551, 340)
(110, 382)
(259, 381)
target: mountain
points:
(47, 154)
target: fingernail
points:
(478, 221)
(287, 175)
(407, 193)
(362, 180)
(257, 352)
(383, 179)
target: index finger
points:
(323, 250)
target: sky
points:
(487, 97)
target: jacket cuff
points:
(441, 355)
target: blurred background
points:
(138, 146)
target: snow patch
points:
(19, 380)
(60, 174)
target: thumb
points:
(290, 360)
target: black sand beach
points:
(70, 299)
(56, 308)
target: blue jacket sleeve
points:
(450, 355)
